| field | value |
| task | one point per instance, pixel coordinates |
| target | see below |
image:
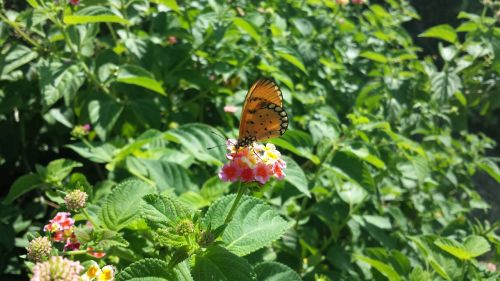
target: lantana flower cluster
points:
(256, 162)
(61, 228)
(94, 272)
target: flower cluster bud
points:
(39, 249)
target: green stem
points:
(89, 218)
(241, 190)
(77, 252)
(19, 31)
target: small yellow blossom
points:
(107, 274)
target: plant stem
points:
(77, 252)
(89, 218)
(18, 30)
(241, 190)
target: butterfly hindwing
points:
(263, 115)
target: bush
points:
(114, 108)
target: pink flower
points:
(87, 127)
(230, 172)
(98, 255)
(247, 175)
(256, 162)
(74, 2)
(230, 108)
(358, 2)
(61, 227)
(263, 172)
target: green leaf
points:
(293, 59)
(275, 271)
(22, 185)
(247, 27)
(445, 84)
(364, 153)
(387, 270)
(85, 19)
(352, 193)
(13, 58)
(96, 153)
(476, 246)
(296, 176)
(59, 80)
(297, 142)
(94, 14)
(355, 168)
(165, 174)
(255, 224)
(171, 4)
(122, 206)
(491, 168)
(374, 56)
(59, 169)
(197, 138)
(162, 211)
(418, 274)
(104, 114)
(136, 75)
(147, 269)
(217, 263)
(444, 32)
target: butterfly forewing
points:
(263, 115)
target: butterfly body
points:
(263, 116)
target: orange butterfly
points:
(263, 116)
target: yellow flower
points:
(92, 272)
(107, 274)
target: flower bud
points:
(80, 131)
(75, 200)
(39, 249)
(185, 227)
(206, 238)
(342, 2)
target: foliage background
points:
(388, 143)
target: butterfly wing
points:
(263, 115)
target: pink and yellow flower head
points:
(252, 163)
(61, 228)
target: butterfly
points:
(263, 116)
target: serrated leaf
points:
(15, 57)
(217, 263)
(444, 32)
(22, 185)
(197, 138)
(147, 269)
(275, 271)
(162, 211)
(296, 176)
(255, 224)
(246, 27)
(387, 270)
(418, 274)
(136, 75)
(122, 206)
(476, 245)
(57, 170)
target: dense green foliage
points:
(380, 156)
